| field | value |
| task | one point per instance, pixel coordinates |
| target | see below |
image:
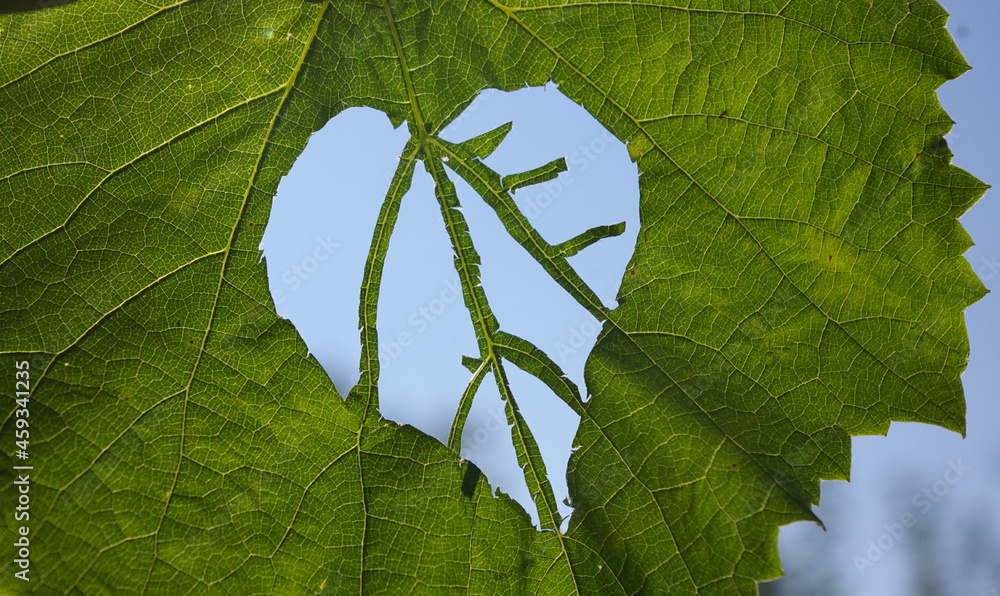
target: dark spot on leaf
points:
(472, 474)
(632, 272)
(724, 114)
(733, 465)
(829, 258)
(191, 342)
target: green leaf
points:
(534, 176)
(798, 279)
(582, 241)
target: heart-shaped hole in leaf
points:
(571, 182)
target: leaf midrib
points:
(480, 313)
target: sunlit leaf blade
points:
(798, 279)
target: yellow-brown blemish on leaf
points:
(638, 146)
(184, 198)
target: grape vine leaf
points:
(798, 279)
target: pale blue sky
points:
(319, 235)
